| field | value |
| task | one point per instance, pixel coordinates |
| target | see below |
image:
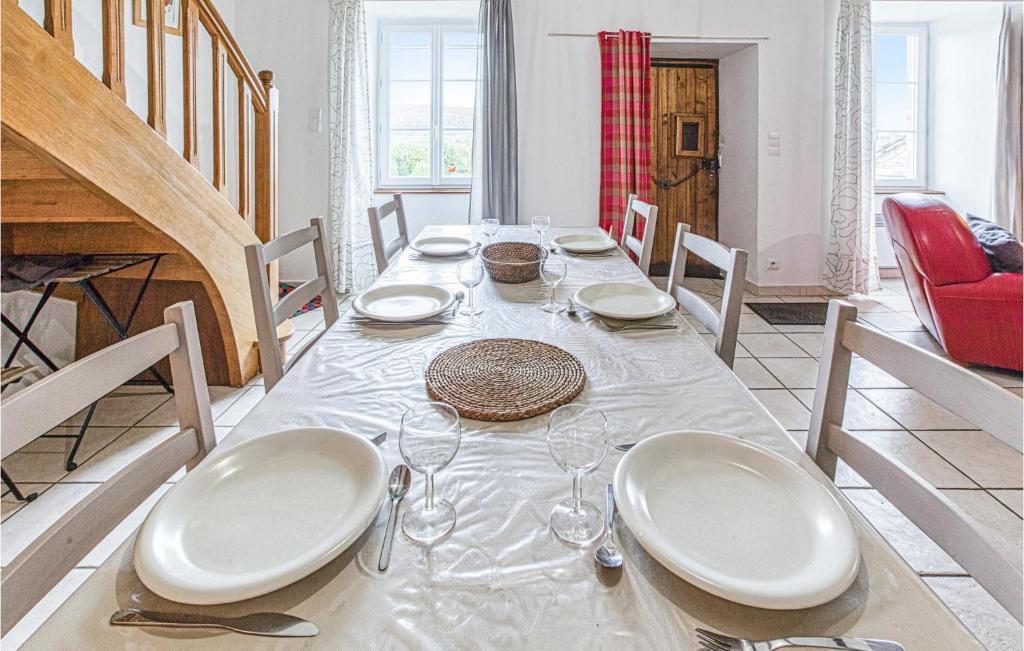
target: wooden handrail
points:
(257, 98)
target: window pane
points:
(410, 63)
(895, 155)
(410, 105)
(891, 57)
(458, 104)
(403, 37)
(896, 107)
(464, 38)
(410, 154)
(459, 63)
(458, 154)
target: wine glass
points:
(541, 224)
(552, 272)
(490, 228)
(471, 274)
(428, 440)
(578, 442)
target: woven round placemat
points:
(504, 379)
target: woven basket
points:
(512, 262)
(504, 379)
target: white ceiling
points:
(417, 9)
(694, 50)
(922, 11)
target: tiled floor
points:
(778, 364)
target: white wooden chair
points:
(640, 248)
(268, 315)
(987, 406)
(381, 251)
(725, 323)
(46, 404)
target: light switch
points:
(315, 119)
(774, 143)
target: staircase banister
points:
(215, 25)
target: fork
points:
(638, 326)
(379, 439)
(711, 641)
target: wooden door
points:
(684, 156)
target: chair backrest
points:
(47, 403)
(725, 323)
(270, 315)
(640, 248)
(381, 251)
(974, 399)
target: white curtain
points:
(1008, 195)
(851, 264)
(351, 185)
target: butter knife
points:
(267, 624)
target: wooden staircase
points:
(81, 172)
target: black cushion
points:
(1002, 248)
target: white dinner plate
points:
(624, 300)
(443, 245)
(407, 302)
(260, 516)
(584, 242)
(737, 520)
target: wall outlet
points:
(773, 264)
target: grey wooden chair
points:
(974, 399)
(382, 252)
(44, 405)
(642, 249)
(725, 323)
(268, 315)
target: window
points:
(901, 92)
(427, 90)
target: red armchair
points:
(977, 315)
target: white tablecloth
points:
(502, 579)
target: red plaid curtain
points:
(625, 124)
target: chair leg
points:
(14, 488)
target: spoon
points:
(459, 295)
(608, 554)
(398, 486)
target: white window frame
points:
(920, 30)
(436, 180)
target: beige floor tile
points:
(48, 605)
(896, 302)
(910, 542)
(891, 322)
(32, 520)
(770, 345)
(804, 299)
(127, 448)
(793, 372)
(990, 623)
(751, 298)
(1004, 378)
(860, 413)
(753, 375)
(999, 525)
(809, 342)
(865, 375)
(124, 408)
(865, 303)
(1012, 499)
(799, 328)
(709, 339)
(985, 459)
(704, 286)
(903, 447)
(914, 411)
(11, 505)
(43, 460)
(754, 323)
(241, 408)
(786, 409)
(120, 533)
(220, 399)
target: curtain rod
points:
(667, 37)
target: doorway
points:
(684, 157)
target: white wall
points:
(559, 111)
(737, 180)
(962, 98)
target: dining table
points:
(501, 579)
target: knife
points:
(267, 624)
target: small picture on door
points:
(689, 136)
(172, 15)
